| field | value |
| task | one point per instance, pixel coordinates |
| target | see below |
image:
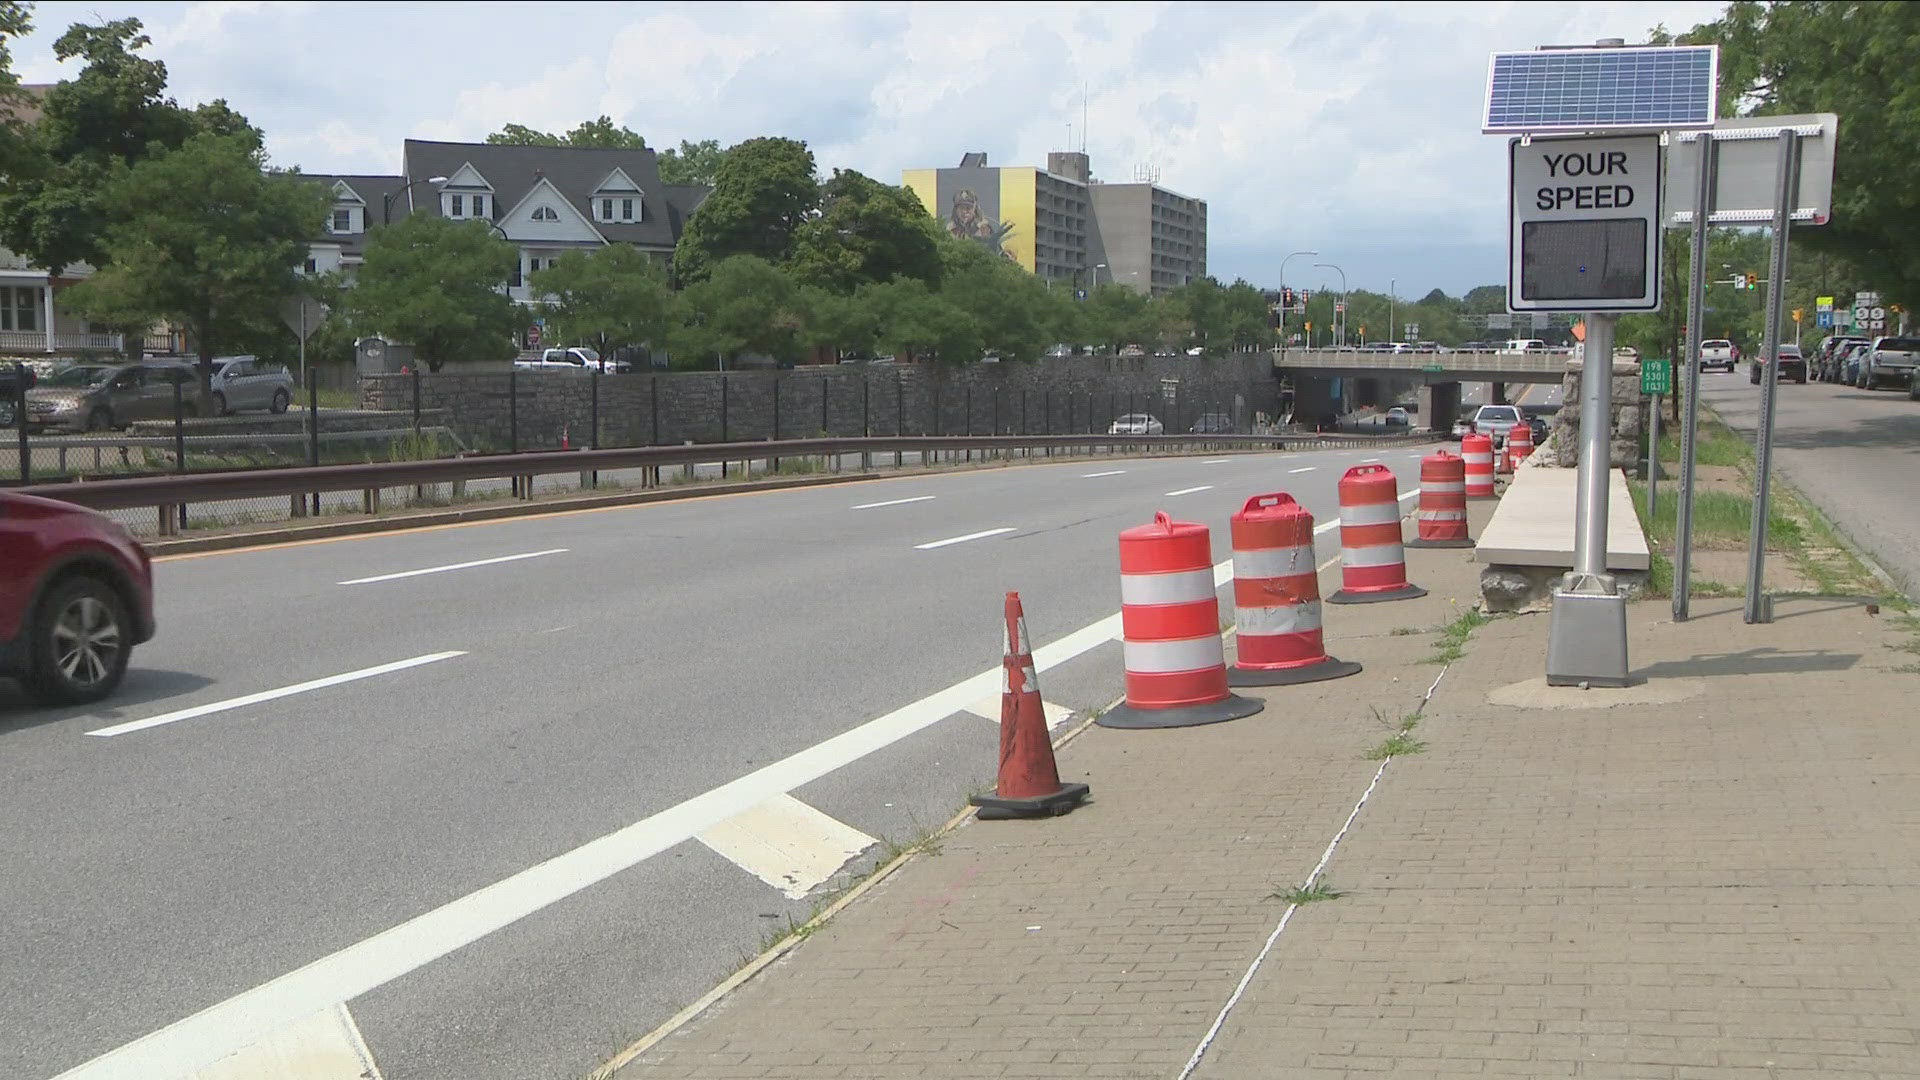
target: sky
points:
(1350, 129)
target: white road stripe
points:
(453, 566)
(961, 539)
(990, 708)
(1216, 461)
(1369, 461)
(893, 502)
(787, 844)
(271, 695)
(325, 1046)
(1309, 468)
(1110, 472)
(1191, 490)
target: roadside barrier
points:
(1373, 564)
(1276, 598)
(1170, 627)
(1519, 445)
(1029, 783)
(1477, 451)
(1441, 520)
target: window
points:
(20, 308)
(514, 280)
(479, 206)
(342, 220)
(311, 268)
(545, 213)
(606, 209)
(626, 209)
(456, 206)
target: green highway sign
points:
(1656, 376)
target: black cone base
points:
(1416, 542)
(994, 808)
(1231, 707)
(1404, 592)
(1328, 668)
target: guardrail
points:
(170, 495)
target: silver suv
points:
(1890, 361)
(243, 382)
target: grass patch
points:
(1455, 635)
(1401, 742)
(1717, 516)
(1406, 631)
(1311, 893)
(1715, 443)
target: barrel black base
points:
(1404, 592)
(994, 808)
(1416, 542)
(1320, 672)
(1231, 707)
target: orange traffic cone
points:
(1029, 780)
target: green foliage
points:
(202, 236)
(746, 304)
(693, 163)
(866, 232)
(600, 132)
(16, 20)
(912, 321)
(435, 283)
(762, 193)
(1016, 317)
(616, 295)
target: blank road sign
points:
(1583, 260)
(1601, 89)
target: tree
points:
(746, 304)
(616, 295)
(1009, 305)
(1856, 60)
(1485, 300)
(600, 132)
(866, 232)
(436, 284)
(693, 163)
(1245, 319)
(16, 19)
(762, 193)
(912, 322)
(204, 237)
(1113, 315)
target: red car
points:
(76, 595)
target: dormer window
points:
(456, 206)
(465, 206)
(342, 220)
(545, 213)
(479, 208)
(623, 209)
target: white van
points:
(1523, 345)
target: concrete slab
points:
(1533, 525)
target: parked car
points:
(1137, 424)
(1890, 360)
(1538, 426)
(1717, 353)
(76, 595)
(95, 397)
(1913, 386)
(1476, 346)
(1496, 421)
(1826, 359)
(1848, 365)
(1213, 423)
(1627, 353)
(1792, 365)
(244, 382)
(575, 358)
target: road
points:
(1855, 453)
(511, 793)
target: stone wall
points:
(538, 409)
(1629, 417)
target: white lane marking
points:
(961, 539)
(893, 502)
(990, 709)
(787, 844)
(1109, 472)
(220, 1029)
(272, 695)
(1369, 461)
(1309, 468)
(1191, 490)
(324, 1046)
(454, 566)
(1216, 461)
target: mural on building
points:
(968, 222)
(971, 200)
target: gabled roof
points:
(465, 178)
(372, 191)
(576, 172)
(545, 193)
(616, 182)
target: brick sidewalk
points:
(1647, 890)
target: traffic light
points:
(1753, 281)
(1286, 296)
(1309, 328)
(1306, 296)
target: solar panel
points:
(1644, 89)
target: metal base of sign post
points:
(1587, 637)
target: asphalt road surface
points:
(497, 799)
(1855, 453)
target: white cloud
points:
(1351, 128)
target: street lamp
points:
(1392, 287)
(1283, 289)
(386, 202)
(1341, 322)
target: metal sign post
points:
(1656, 378)
(1759, 604)
(1690, 416)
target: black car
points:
(1793, 366)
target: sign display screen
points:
(1583, 260)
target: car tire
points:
(280, 402)
(82, 638)
(219, 403)
(100, 419)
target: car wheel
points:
(280, 401)
(219, 403)
(81, 641)
(100, 419)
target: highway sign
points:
(1413, 331)
(1746, 173)
(1877, 314)
(1339, 307)
(1585, 224)
(533, 336)
(1823, 303)
(1823, 319)
(1656, 376)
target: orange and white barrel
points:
(1176, 667)
(1276, 597)
(1441, 520)
(1477, 451)
(1373, 562)
(1519, 445)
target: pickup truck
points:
(1496, 421)
(1889, 362)
(1718, 353)
(577, 358)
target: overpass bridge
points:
(1363, 375)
